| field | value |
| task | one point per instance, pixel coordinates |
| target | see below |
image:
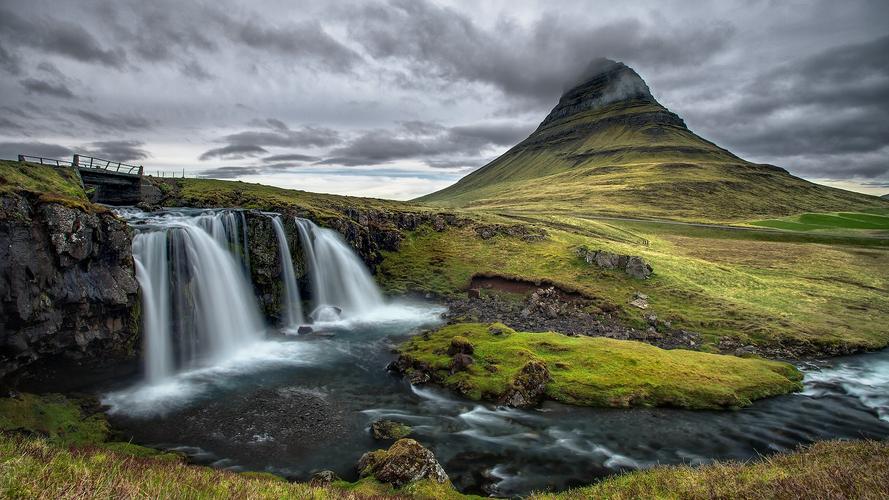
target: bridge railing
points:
(46, 161)
(117, 167)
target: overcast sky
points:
(399, 98)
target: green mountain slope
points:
(608, 147)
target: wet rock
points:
(404, 462)
(528, 387)
(304, 329)
(323, 479)
(68, 284)
(389, 429)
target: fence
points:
(87, 162)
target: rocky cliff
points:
(68, 289)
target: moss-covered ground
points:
(597, 371)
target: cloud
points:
(230, 172)
(9, 62)
(119, 150)
(534, 61)
(290, 157)
(426, 141)
(305, 40)
(195, 71)
(46, 150)
(58, 37)
(35, 86)
(818, 115)
(276, 133)
(111, 122)
(233, 152)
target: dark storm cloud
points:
(233, 152)
(9, 62)
(195, 71)
(276, 133)
(290, 157)
(120, 150)
(111, 122)
(13, 149)
(425, 141)
(537, 61)
(35, 86)
(57, 37)
(230, 172)
(822, 114)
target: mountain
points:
(885, 196)
(608, 147)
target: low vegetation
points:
(48, 183)
(845, 222)
(596, 371)
(829, 469)
(801, 294)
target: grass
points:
(596, 371)
(53, 416)
(829, 469)
(765, 288)
(844, 222)
(49, 184)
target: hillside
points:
(609, 148)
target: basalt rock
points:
(68, 288)
(633, 265)
(528, 387)
(404, 462)
(389, 429)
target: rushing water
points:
(293, 312)
(198, 305)
(300, 404)
(339, 278)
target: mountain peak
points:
(602, 83)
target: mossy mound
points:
(594, 371)
(53, 416)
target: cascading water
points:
(339, 278)
(293, 314)
(197, 301)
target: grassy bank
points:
(830, 469)
(595, 371)
(49, 184)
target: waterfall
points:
(197, 301)
(339, 279)
(293, 314)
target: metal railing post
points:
(76, 161)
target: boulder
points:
(633, 265)
(404, 462)
(528, 387)
(304, 329)
(323, 479)
(389, 429)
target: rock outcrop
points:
(67, 285)
(633, 265)
(404, 462)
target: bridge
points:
(106, 181)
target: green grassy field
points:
(876, 224)
(49, 184)
(596, 371)
(765, 287)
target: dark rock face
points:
(265, 261)
(404, 462)
(67, 285)
(631, 264)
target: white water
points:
(339, 278)
(198, 306)
(293, 313)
